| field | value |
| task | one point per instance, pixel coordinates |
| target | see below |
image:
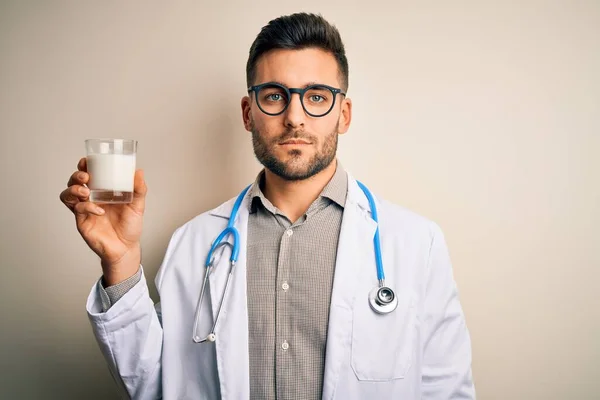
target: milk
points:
(111, 177)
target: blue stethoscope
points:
(381, 299)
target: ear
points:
(345, 116)
(246, 109)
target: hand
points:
(112, 231)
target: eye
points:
(272, 94)
(317, 95)
(273, 97)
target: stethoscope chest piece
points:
(383, 300)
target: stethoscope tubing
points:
(374, 298)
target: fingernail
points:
(81, 176)
(84, 191)
(100, 210)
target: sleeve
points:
(447, 373)
(130, 333)
(111, 294)
(130, 336)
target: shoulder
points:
(395, 219)
(212, 217)
(407, 224)
(206, 223)
(197, 232)
(406, 217)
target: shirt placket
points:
(283, 346)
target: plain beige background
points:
(483, 116)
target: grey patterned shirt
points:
(290, 269)
(290, 277)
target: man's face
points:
(295, 145)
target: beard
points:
(295, 168)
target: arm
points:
(130, 336)
(446, 344)
(129, 333)
(111, 294)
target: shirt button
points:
(285, 286)
(289, 232)
(285, 345)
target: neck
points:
(293, 198)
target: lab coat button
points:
(285, 286)
(289, 232)
(285, 345)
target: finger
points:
(139, 191)
(84, 208)
(82, 165)
(73, 195)
(78, 178)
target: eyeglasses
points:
(273, 98)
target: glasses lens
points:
(318, 100)
(272, 99)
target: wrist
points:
(122, 269)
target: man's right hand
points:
(112, 231)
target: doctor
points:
(297, 317)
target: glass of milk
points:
(111, 166)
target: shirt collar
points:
(337, 188)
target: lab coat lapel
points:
(355, 251)
(232, 327)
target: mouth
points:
(294, 142)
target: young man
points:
(301, 318)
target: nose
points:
(294, 114)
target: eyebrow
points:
(303, 87)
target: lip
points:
(294, 142)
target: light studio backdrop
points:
(482, 116)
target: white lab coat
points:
(422, 350)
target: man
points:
(297, 322)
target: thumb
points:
(139, 191)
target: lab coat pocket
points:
(383, 345)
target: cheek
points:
(255, 120)
(325, 125)
(334, 119)
(265, 124)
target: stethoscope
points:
(382, 299)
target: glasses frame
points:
(289, 91)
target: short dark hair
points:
(296, 32)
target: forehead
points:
(297, 68)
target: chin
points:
(296, 161)
(294, 164)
